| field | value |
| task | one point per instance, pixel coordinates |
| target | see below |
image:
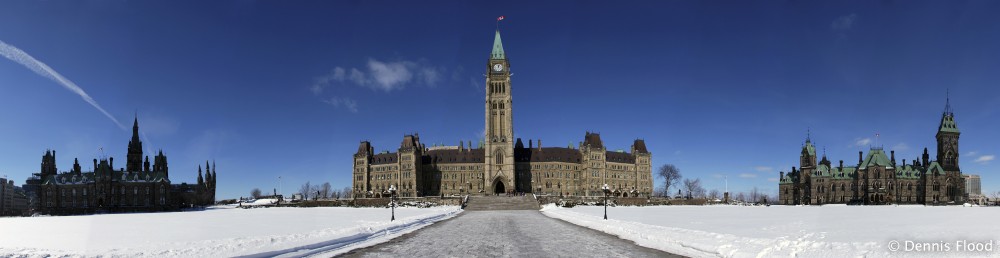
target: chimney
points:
(781, 175)
(904, 162)
(529, 144)
(539, 144)
(892, 155)
(841, 164)
(461, 144)
(111, 162)
(95, 165)
(860, 154)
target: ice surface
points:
(803, 231)
(214, 232)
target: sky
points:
(724, 90)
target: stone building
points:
(139, 187)
(13, 201)
(878, 178)
(502, 163)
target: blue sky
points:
(718, 88)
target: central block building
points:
(500, 163)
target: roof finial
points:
(808, 135)
(947, 102)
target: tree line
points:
(692, 188)
(310, 191)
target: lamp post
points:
(606, 192)
(392, 201)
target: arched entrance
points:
(498, 187)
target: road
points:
(518, 233)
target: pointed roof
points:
(497, 52)
(948, 119)
(809, 148)
(876, 157)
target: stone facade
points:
(13, 201)
(877, 178)
(501, 163)
(139, 187)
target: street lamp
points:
(606, 192)
(392, 201)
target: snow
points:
(214, 232)
(803, 231)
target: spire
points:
(497, 48)
(808, 135)
(947, 102)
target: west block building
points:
(878, 178)
(140, 186)
(502, 163)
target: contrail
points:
(16, 55)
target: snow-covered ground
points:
(216, 232)
(804, 231)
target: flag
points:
(500, 18)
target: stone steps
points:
(486, 203)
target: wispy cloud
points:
(19, 56)
(984, 159)
(378, 75)
(748, 175)
(901, 147)
(845, 22)
(772, 179)
(763, 169)
(345, 102)
(862, 142)
(970, 154)
(718, 176)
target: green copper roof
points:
(809, 148)
(497, 48)
(948, 123)
(876, 157)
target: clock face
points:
(497, 67)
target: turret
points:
(926, 158)
(145, 165)
(76, 167)
(201, 180)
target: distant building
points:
(973, 185)
(878, 178)
(13, 201)
(139, 187)
(501, 163)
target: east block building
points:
(501, 163)
(140, 186)
(878, 178)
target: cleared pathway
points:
(506, 233)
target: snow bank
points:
(213, 232)
(811, 231)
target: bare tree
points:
(346, 193)
(255, 193)
(671, 176)
(304, 190)
(713, 194)
(754, 195)
(325, 190)
(693, 188)
(316, 191)
(740, 197)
